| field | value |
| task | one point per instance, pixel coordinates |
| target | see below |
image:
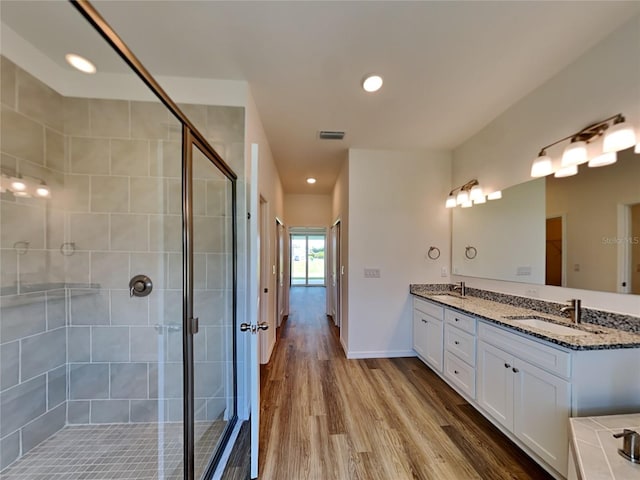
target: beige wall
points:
(308, 210)
(396, 212)
(603, 82)
(340, 213)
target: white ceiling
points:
(449, 67)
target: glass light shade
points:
(566, 171)
(467, 204)
(637, 149)
(43, 191)
(606, 158)
(574, 154)
(476, 193)
(481, 199)
(497, 195)
(18, 185)
(542, 166)
(451, 202)
(463, 196)
(618, 137)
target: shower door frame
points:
(191, 137)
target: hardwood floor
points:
(325, 417)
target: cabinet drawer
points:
(551, 359)
(428, 308)
(460, 320)
(460, 343)
(461, 374)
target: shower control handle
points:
(140, 286)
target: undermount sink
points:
(550, 327)
(445, 296)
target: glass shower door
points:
(213, 305)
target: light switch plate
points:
(371, 273)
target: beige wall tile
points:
(76, 116)
(38, 101)
(110, 270)
(78, 267)
(199, 197)
(152, 265)
(55, 150)
(89, 231)
(174, 196)
(109, 194)
(76, 193)
(130, 157)
(8, 268)
(8, 82)
(41, 266)
(22, 137)
(235, 157)
(55, 228)
(218, 198)
(208, 234)
(166, 159)
(165, 233)
(147, 195)
(129, 233)
(109, 118)
(149, 120)
(197, 115)
(89, 155)
(225, 124)
(22, 223)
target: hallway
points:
(324, 417)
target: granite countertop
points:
(596, 451)
(598, 337)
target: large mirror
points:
(578, 232)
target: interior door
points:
(280, 272)
(335, 276)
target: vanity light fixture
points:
(372, 83)
(80, 63)
(617, 135)
(25, 187)
(466, 195)
(497, 195)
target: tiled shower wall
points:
(101, 356)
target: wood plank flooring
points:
(324, 417)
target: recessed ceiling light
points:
(80, 63)
(311, 180)
(372, 83)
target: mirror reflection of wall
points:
(591, 239)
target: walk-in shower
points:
(103, 180)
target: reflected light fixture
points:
(80, 63)
(25, 187)
(311, 180)
(497, 195)
(466, 195)
(616, 135)
(372, 83)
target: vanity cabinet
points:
(460, 351)
(428, 332)
(533, 403)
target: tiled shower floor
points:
(123, 451)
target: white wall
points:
(340, 212)
(270, 189)
(308, 210)
(603, 82)
(396, 211)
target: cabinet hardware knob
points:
(457, 319)
(456, 372)
(456, 342)
(506, 365)
(515, 370)
(424, 321)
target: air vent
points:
(330, 135)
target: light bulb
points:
(463, 196)
(606, 158)
(311, 180)
(451, 202)
(481, 199)
(18, 185)
(80, 63)
(43, 191)
(476, 193)
(566, 171)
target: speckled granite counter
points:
(595, 451)
(599, 337)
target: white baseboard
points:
(380, 354)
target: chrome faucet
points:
(574, 309)
(460, 286)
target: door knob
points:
(245, 327)
(263, 326)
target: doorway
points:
(308, 259)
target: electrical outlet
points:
(532, 292)
(525, 270)
(576, 267)
(371, 273)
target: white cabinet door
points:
(495, 383)
(427, 338)
(434, 343)
(420, 333)
(541, 412)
